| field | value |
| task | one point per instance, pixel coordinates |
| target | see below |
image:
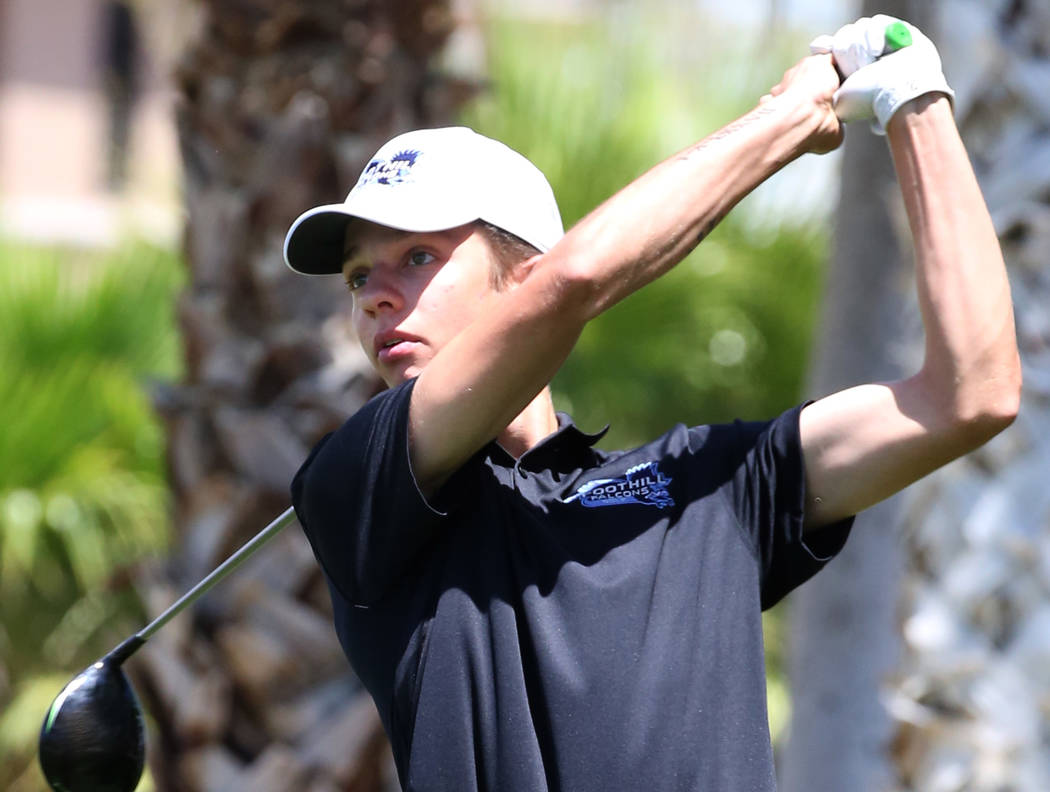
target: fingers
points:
(810, 84)
(821, 44)
(816, 68)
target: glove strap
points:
(889, 100)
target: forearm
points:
(971, 367)
(650, 225)
(485, 376)
(865, 443)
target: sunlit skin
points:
(413, 292)
(860, 445)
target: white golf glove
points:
(885, 62)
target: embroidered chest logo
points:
(642, 484)
(396, 170)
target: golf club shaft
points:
(125, 650)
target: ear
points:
(522, 270)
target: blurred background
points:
(164, 374)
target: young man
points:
(529, 612)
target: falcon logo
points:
(642, 484)
(396, 170)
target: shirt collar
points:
(566, 448)
(566, 426)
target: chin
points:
(395, 378)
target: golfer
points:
(530, 612)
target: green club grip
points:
(898, 36)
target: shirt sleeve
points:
(768, 493)
(358, 501)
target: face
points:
(413, 292)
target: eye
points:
(356, 280)
(420, 258)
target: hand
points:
(811, 83)
(886, 63)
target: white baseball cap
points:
(431, 180)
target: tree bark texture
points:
(843, 636)
(279, 105)
(967, 701)
(971, 699)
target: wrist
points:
(891, 99)
(929, 108)
(810, 127)
(791, 128)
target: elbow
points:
(576, 286)
(997, 416)
(988, 414)
(1005, 400)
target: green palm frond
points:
(58, 305)
(82, 484)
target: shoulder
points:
(368, 440)
(383, 415)
(724, 446)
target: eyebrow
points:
(350, 254)
(353, 250)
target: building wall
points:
(54, 131)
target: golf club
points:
(93, 738)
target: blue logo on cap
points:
(396, 170)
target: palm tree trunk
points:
(970, 698)
(967, 701)
(279, 105)
(843, 636)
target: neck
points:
(533, 424)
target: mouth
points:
(391, 344)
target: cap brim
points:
(314, 243)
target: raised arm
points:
(865, 443)
(476, 385)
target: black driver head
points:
(93, 738)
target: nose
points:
(380, 292)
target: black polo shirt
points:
(572, 620)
